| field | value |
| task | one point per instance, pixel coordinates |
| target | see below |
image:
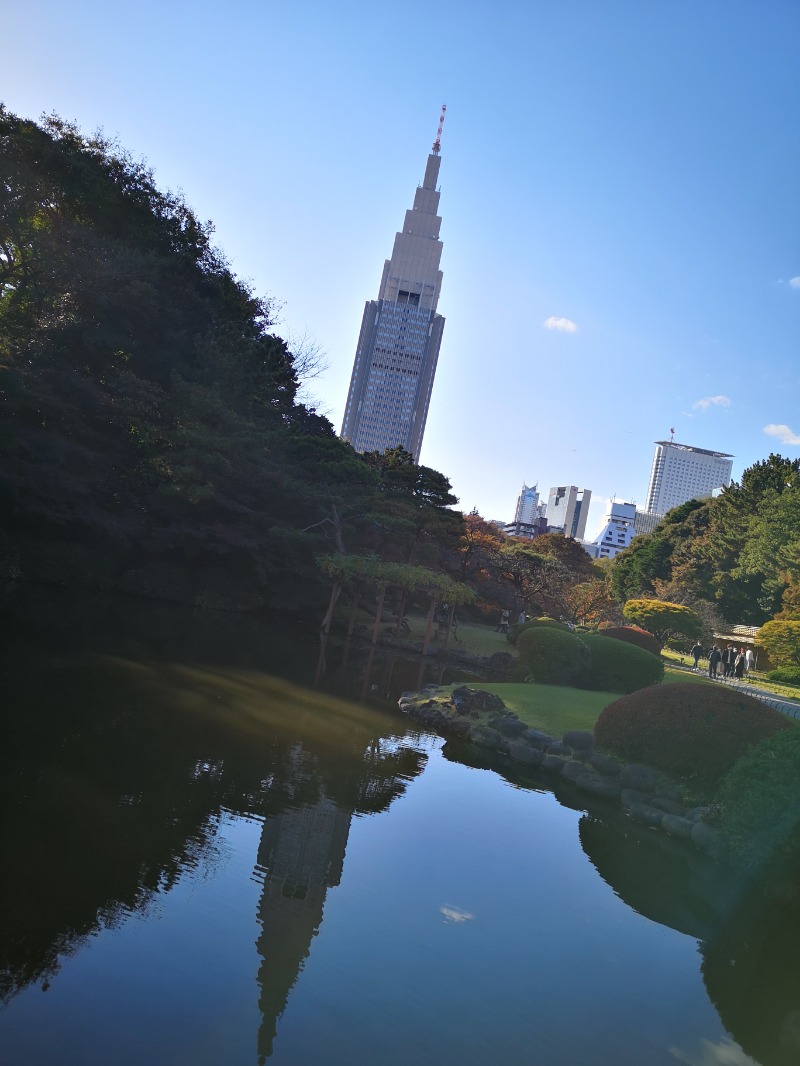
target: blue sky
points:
(626, 168)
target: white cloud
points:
(565, 325)
(794, 283)
(724, 1053)
(455, 914)
(711, 401)
(785, 434)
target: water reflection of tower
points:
(300, 856)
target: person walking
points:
(728, 659)
(523, 618)
(749, 660)
(502, 625)
(697, 654)
(714, 657)
(738, 666)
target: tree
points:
(781, 640)
(663, 619)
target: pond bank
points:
(648, 796)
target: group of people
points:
(735, 662)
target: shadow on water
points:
(129, 733)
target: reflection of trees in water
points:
(664, 879)
(751, 969)
(750, 943)
(119, 773)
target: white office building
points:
(617, 533)
(568, 509)
(398, 346)
(681, 472)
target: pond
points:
(220, 848)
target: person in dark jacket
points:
(697, 654)
(714, 657)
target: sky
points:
(619, 200)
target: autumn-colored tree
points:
(663, 619)
(781, 640)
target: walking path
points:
(783, 704)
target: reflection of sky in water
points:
(558, 969)
(453, 914)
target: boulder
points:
(557, 748)
(668, 806)
(647, 815)
(605, 764)
(553, 762)
(573, 770)
(539, 739)
(509, 726)
(705, 837)
(579, 739)
(599, 786)
(486, 737)
(677, 826)
(524, 753)
(642, 778)
(469, 699)
(500, 666)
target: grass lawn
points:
(553, 708)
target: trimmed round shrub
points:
(552, 656)
(617, 666)
(689, 730)
(785, 675)
(634, 635)
(758, 804)
(532, 623)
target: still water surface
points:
(209, 863)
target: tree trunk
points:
(401, 611)
(428, 626)
(326, 625)
(353, 610)
(378, 616)
(450, 614)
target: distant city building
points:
(398, 346)
(617, 533)
(527, 504)
(568, 509)
(527, 529)
(645, 522)
(681, 472)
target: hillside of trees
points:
(150, 433)
(738, 553)
(152, 441)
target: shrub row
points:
(786, 675)
(634, 635)
(558, 657)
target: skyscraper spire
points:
(401, 331)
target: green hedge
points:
(533, 623)
(691, 730)
(785, 675)
(758, 811)
(620, 667)
(552, 656)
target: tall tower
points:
(568, 509)
(681, 472)
(398, 346)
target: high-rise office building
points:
(617, 532)
(528, 506)
(529, 517)
(568, 509)
(398, 346)
(681, 472)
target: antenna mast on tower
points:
(437, 144)
(671, 434)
